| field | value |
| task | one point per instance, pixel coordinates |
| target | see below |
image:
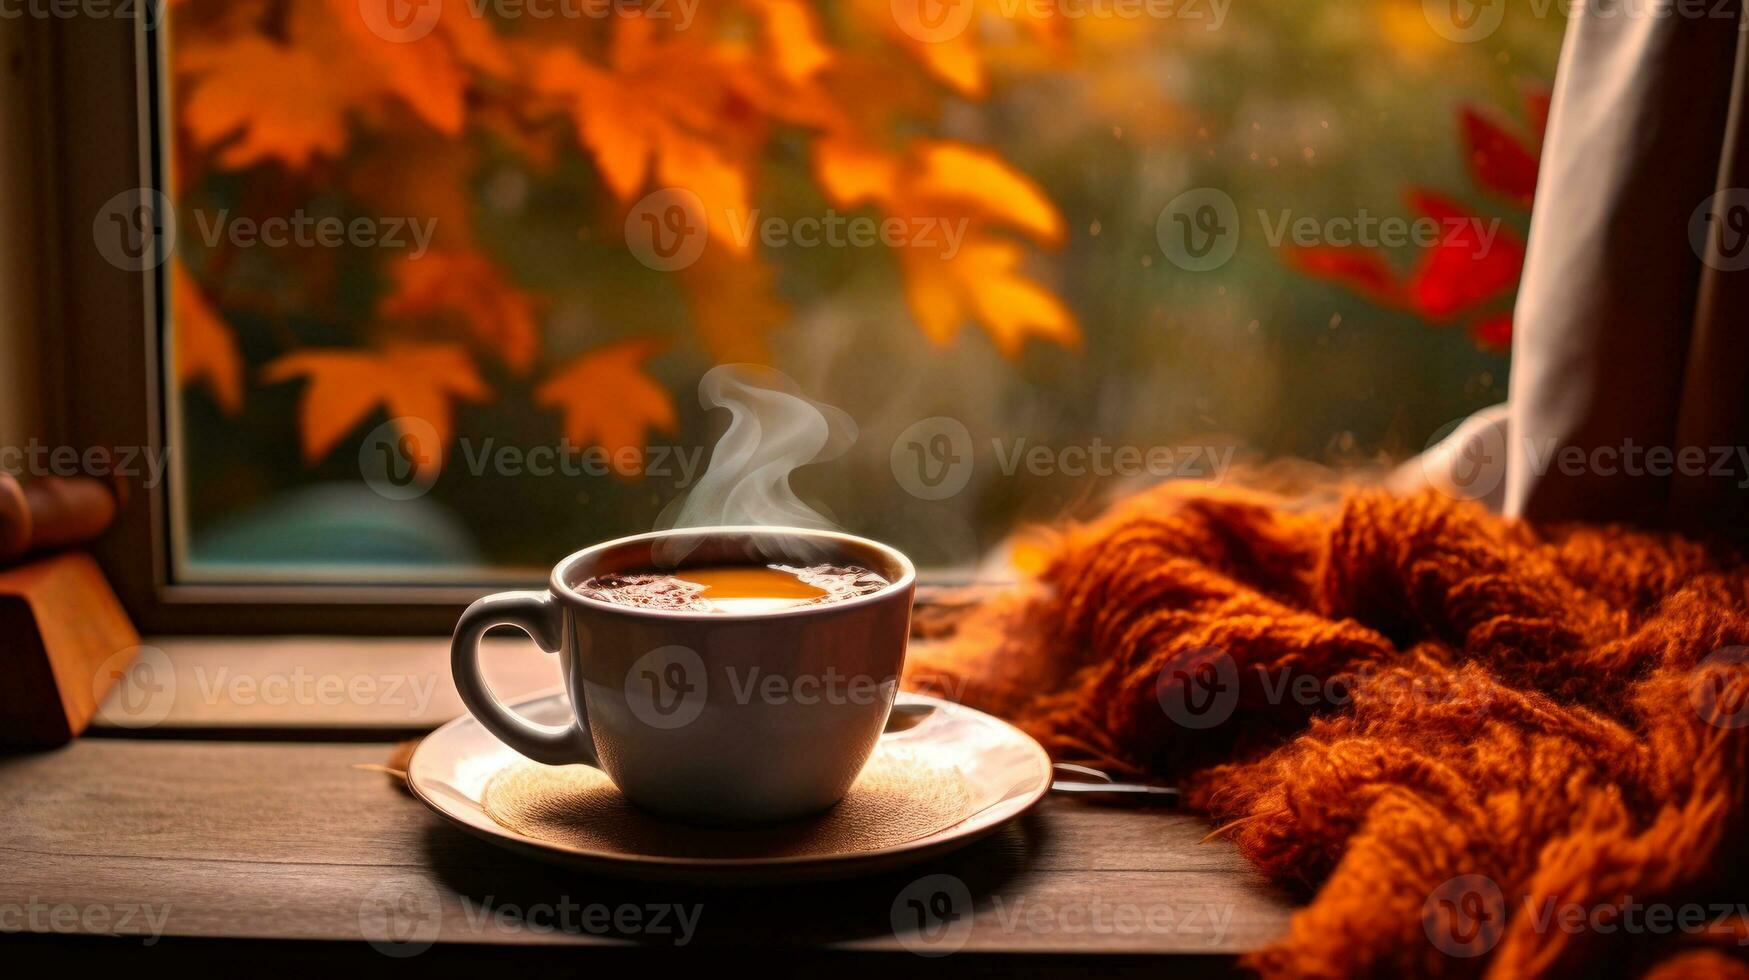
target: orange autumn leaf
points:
(641, 116)
(407, 381)
(939, 34)
(466, 286)
(955, 60)
(793, 32)
(853, 175)
(945, 35)
(983, 283)
(608, 400)
(965, 174)
(263, 101)
(289, 99)
(945, 189)
(205, 349)
(422, 71)
(610, 126)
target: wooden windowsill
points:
(287, 842)
(255, 835)
(304, 684)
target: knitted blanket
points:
(1475, 745)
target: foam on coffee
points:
(734, 588)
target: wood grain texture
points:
(306, 683)
(287, 841)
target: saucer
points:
(942, 776)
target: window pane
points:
(447, 276)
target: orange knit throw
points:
(1375, 696)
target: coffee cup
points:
(707, 716)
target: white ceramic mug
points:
(708, 716)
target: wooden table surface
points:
(213, 847)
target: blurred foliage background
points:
(1318, 108)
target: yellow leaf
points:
(935, 297)
(697, 166)
(1010, 306)
(982, 282)
(205, 349)
(969, 175)
(794, 37)
(852, 175)
(609, 401)
(955, 61)
(410, 381)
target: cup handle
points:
(542, 617)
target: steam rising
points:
(773, 430)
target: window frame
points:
(110, 134)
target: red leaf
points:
(1493, 331)
(1474, 260)
(1498, 160)
(1361, 269)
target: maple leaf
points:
(262, 101)
(940, 182)
(792, 30)
(972, 176)
(610, 126)
(291, 102)
(982, 282)
(1497, 159)
(852, 175)
(409, 381)
(944, 34)
(630, 117)
(1365, 270)
(205, 349)
(1464, 268)
(421, 71)
(467, 286)
(609, 401)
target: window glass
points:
(447, 274)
